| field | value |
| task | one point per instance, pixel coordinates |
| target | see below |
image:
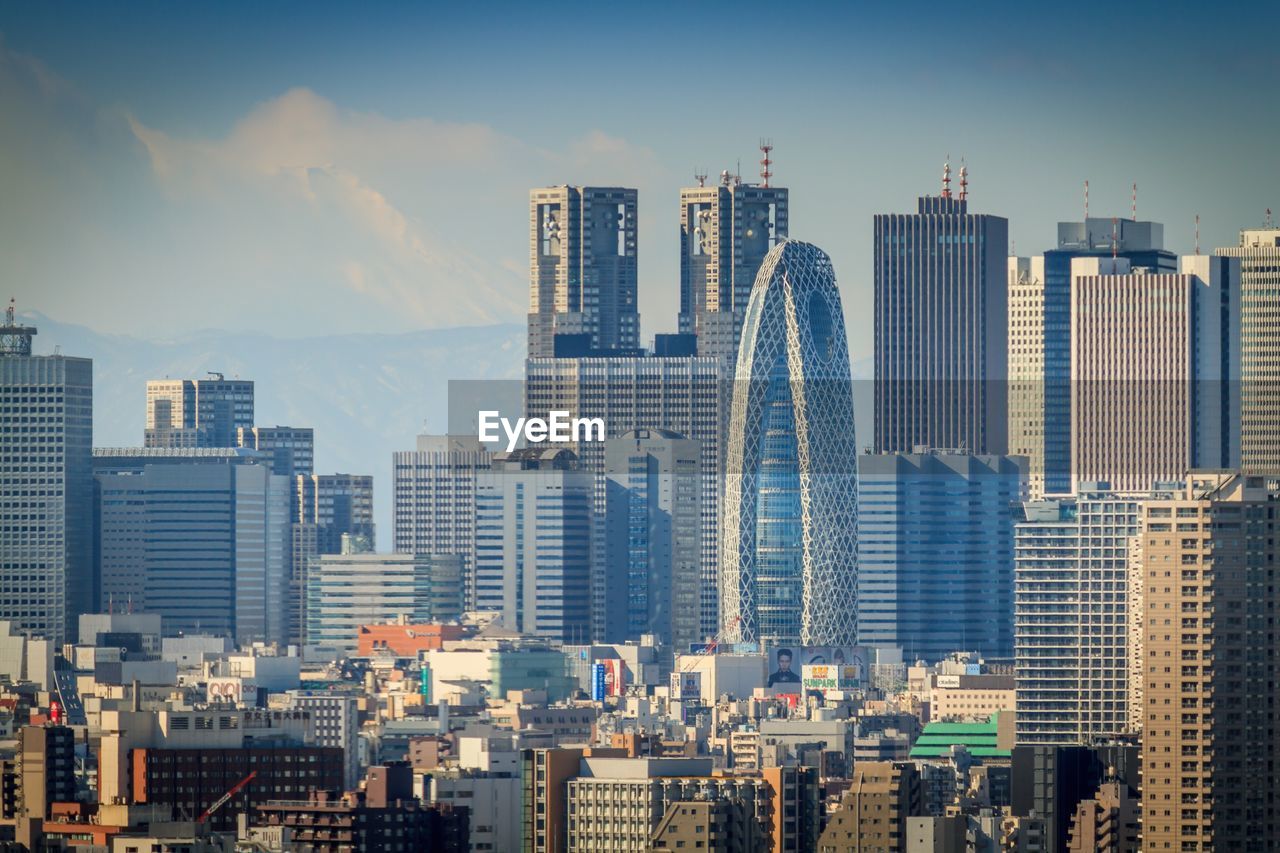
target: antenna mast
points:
(766, 145)
(946, 178)
(1086, 204)
(1197, 233)
(964, 180)
(1133, 207)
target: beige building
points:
(1259, 255)
(1212, 675)
(873, 812)
(1027, 368)
(958, 697)
(1154, 357)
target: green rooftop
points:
(937, 739)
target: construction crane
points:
(222, 801)
(712, 647)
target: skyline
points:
(337, 188)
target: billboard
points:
(425, 683)
(614, 676)
(230, 690)
(787, 663)
(824, 676)
(686, 686)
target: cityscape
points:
(930, 530)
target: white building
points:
(336, 720)
(345, 591)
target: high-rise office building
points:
(1211, 668)
(683, 394)
(653, 534)
(292, 449)
(46, 487)
(533, 543)
(327, 507)
(1073, 614)
(1040, 337)
(435, 500)
(582, 267)
(1259, 255)
(1155, 368)
(726, 230)
(935, 534)
(941, 327)
(197, 536)
(345, 591)
(789, 549)
(197, 412)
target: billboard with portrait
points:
(787, 664)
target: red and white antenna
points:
(964, 180)
(1133, 207)
(766, 145)
(946, 178)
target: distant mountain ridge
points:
(366, 395)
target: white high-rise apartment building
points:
(1073, 614)
(1154, 370)
(46, 487)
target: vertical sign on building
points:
(597, 682)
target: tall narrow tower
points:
(725, 232)
(941, 326)
(46, 486)
(789, 558)
(582, 268)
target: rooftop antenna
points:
(1266, 224)
(964, 180)
(1197, 233)
(1086, 201)
(12, 309)
(766, 145)
(946, 178)
(701, 178)
(1133, 207)
(737, 173)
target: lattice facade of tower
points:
(789, 547)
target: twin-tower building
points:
(764, 313)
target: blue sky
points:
(319, 168)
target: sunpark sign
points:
(557, 428)
(829, 677)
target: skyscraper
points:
(199, 537)
(726, 230)
(1211, 667)
(941, 326)
(1259, 254)
(582, 267)
(935, 534)
(1155, 369)
(1040, 337)
(683, 394)
(533, 543)
(1073, 614)
(653, 537)
(434, 508)
(197, 412)
(292, 449)
(326, 508)
(789, 553)
(46, 487)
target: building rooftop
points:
(938, 739)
